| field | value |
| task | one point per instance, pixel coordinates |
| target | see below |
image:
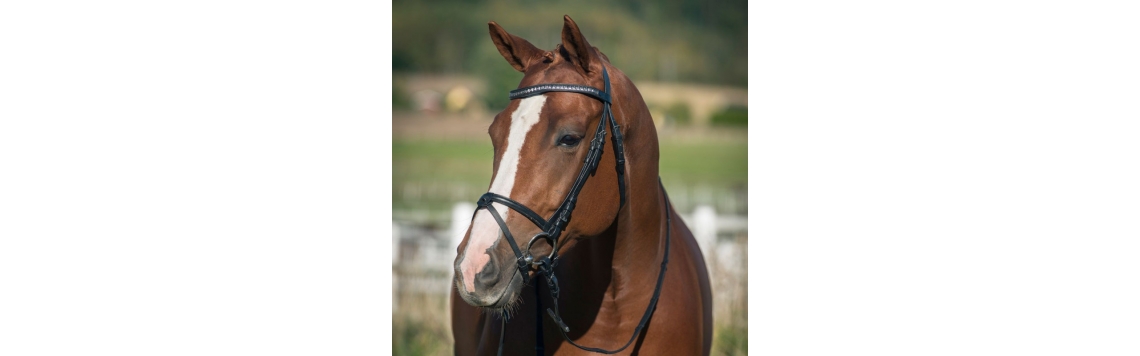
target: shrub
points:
(732, 116)
(401, 100)
(678, 114)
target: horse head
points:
(541, 143)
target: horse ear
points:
(517, 51)
(575, 44)
(600, 54)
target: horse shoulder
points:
(691, 288)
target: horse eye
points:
(569, 140)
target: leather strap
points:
(656, 290)
(489, 198)
(519, 256)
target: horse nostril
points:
(488, 276)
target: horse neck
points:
(639, 238)
(628, 255)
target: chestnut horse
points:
(600, 280)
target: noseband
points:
(552, 229)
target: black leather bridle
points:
(552, 229)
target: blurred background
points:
(688, 59)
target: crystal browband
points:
(544, 88)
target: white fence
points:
(427, 249)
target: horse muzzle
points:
(494, 286)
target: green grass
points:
(711, 163)
(438, 167)
(440, 160)
(420, 327)
(411, 337)
(730, 340)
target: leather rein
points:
(552, 229)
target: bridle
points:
(552, 229)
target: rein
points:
(552, 229)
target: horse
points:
(618, 269)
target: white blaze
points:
(484, 229)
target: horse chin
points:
(505, 300)
(509, 300)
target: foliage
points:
(501, 78)
(421, 324)
(413, 334)
(411, 337)
(671, 40)
(733, 116)
(679, 113)
(729, 340)
(400, 97)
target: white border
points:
(952, 178)
(195, 178)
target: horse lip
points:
(500, 301)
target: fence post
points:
(395, 261)
(704, 229)
(460, 219)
